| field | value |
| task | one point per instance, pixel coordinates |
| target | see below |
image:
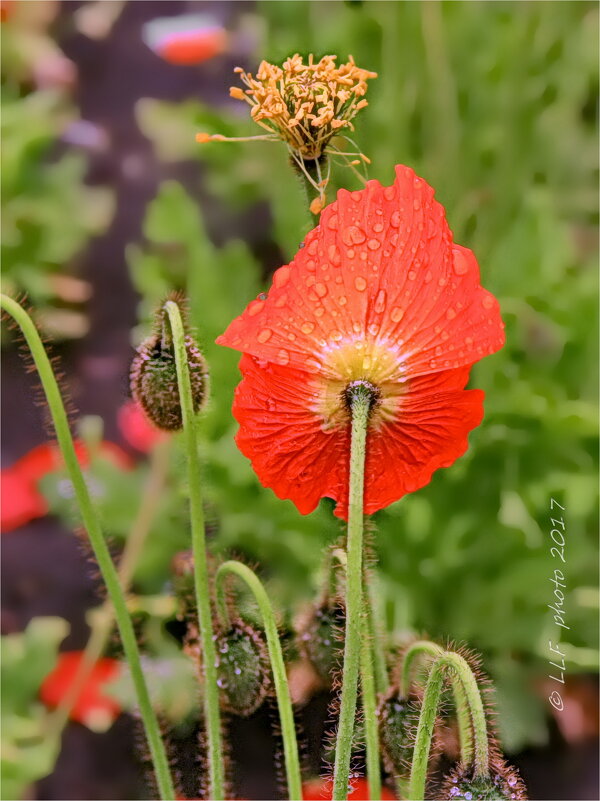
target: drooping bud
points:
(153, 374)
(243, 668)
(398, 717)
(320, 638)
(502, 784)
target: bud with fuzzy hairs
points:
(153, 374)
(243, 668)
(502, 784)
(320, 636)
(398, 717)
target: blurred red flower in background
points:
(21, 499)
(92, 707)
(187, 39)
(378, 294)
(136, 428)
(322, 790)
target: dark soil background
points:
(43, 570)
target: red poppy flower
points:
(92, 707)
(21, 499)
(322, 790)
(379, 293)
(136, 428)
(185, 40)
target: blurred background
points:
(108, 203)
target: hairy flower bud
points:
(243, 668)
(319, 637)
(153, 375)
(502, 784)
(398, 718)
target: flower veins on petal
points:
(378, 294)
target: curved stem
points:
(448, 662)
(284, 703)
(463, 714)
(101, 552)
(212, 713)
(360, 405)
(159, 462)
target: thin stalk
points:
(101, 552)
(284, 703)
(360, 405)
(461, 703)
(212, 713)
(457, 666)
(159, 462)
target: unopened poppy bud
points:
(320, 638)
(397, 722)
(243, 669)
(154, 377)
(502, 784)
(182, 568)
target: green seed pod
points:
(153, 376)
(502, 784)
(243, 668)
(320, 638)
(398, 719)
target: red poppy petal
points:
(192, 47)
(322, 790)
(91, 702)
(380, 266)
(298, 460)
(136, 428)
(285, 442)
(21, 501)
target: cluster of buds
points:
(305, 106)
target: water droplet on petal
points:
(378, 227)
(281, 300)
(360, 283)
(335, 336)
(283, 356)
(264, 335)
(342, 300)
(380, 301)
(395, 220)
(321, 290)
(451, 314)
(307, 328)
(353, 235)
(319, 311)
(332, 222)
(488, 301)
(281, 277)
(411, 275)
(397, 314)
(416, 204)
(313, 364)
(309, 280)
(350, 253)
(461, 265)
(373, 244)
(373, 329)
(428, 276)
(334, 255)
(255, 307)
(313, 246)
(389, 192)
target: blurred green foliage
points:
(495, 105)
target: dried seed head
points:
(243, 668)
(319, 638)
(153, 375)
(502, 784)
(398, 717)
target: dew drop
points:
(461, 265)
(312, 247)
(342, 300)
(353, 235)
(395, 220)
(389, 192)
(442, 282)
(397, 314)
(291, 337)
(380, 301)
(281, 277)
(311, 265)
(321, 290)
(255, 307)
(378, 227)
(350, 253)
(445, 336)
(439, 350)
(451, 314)
(428, 276)
(283, 356)
(373, 329)
(357, 329)
(264, 335)
(307, 328)
(313, 364)
(335, 335)
(334, 255)
(373, 244)
(468, 340)
(487, 302)
(309, 280)
(281, 300)
(319, 311)
(367, 362)
(411, 275)
(332, 222)
(416, 204)
(360, 283)
(363, 255)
